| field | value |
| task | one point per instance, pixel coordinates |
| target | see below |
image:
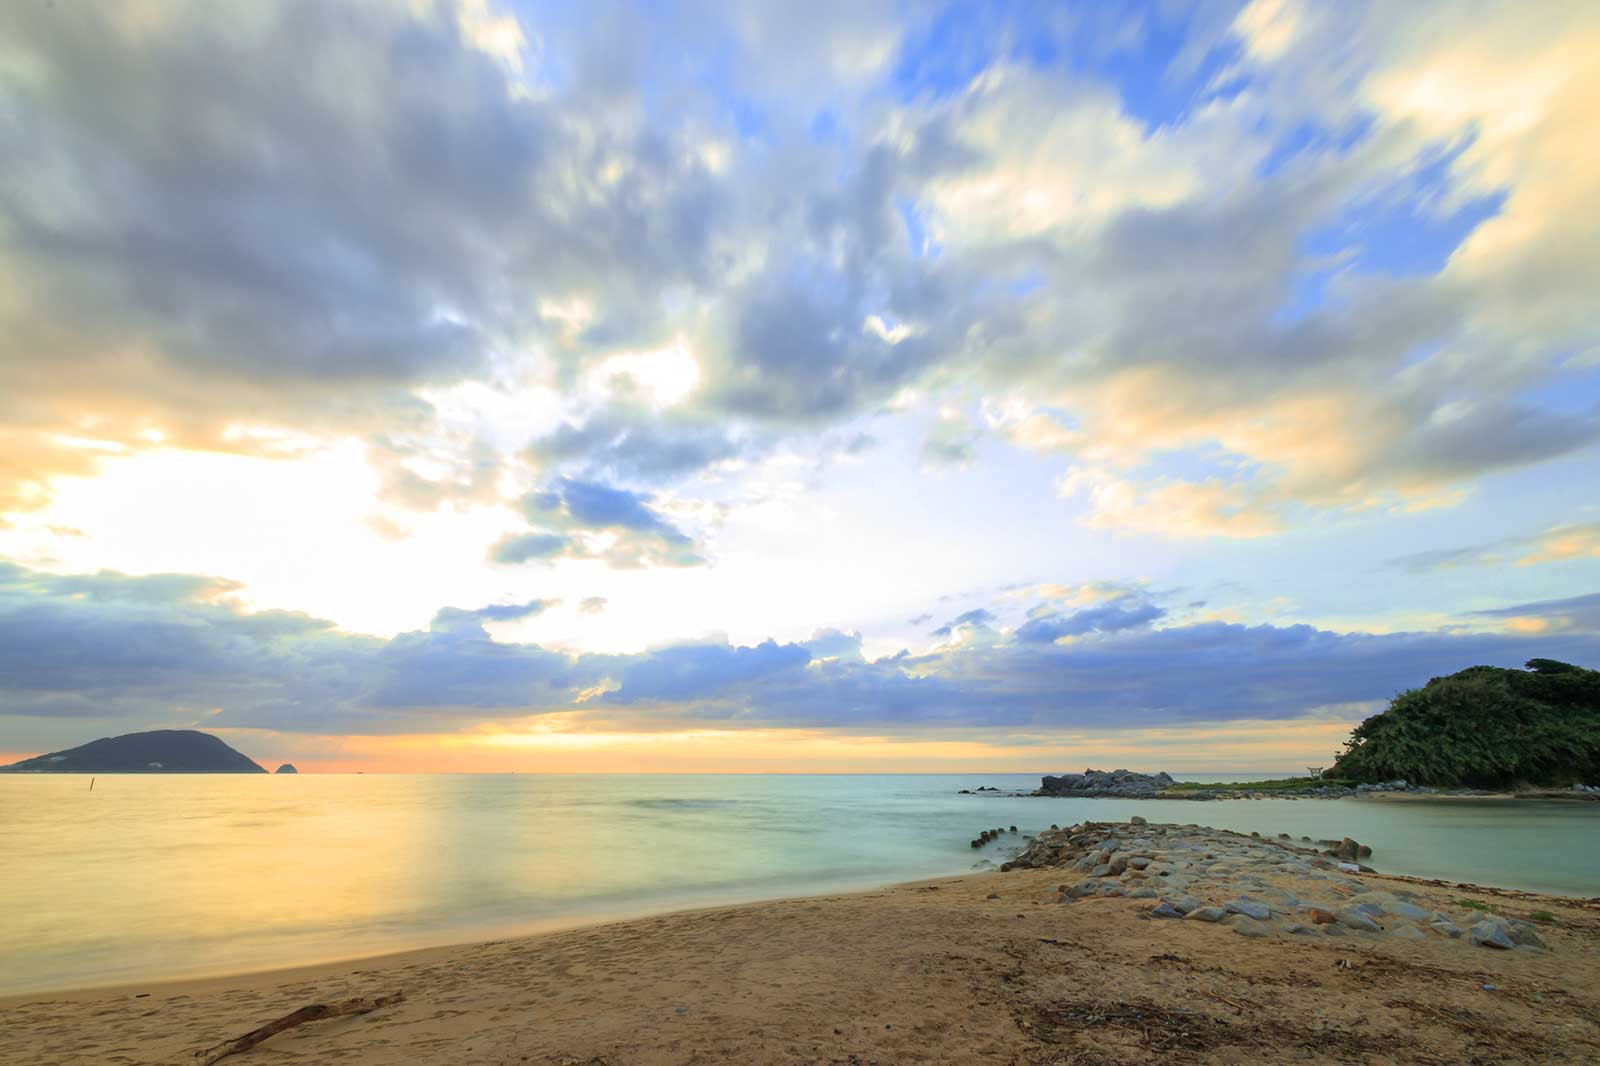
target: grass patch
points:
(1282, 784)
(1471, 904)
(1542, 916)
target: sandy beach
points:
(984, 968)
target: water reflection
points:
(194, 874)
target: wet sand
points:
(984, 968)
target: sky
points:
(464, 385)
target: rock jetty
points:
(1258, 887)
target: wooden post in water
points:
(91, 784)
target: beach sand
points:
(983, 968)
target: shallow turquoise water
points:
(182, 875)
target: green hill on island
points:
(1485, 727)
(160, 751)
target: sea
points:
(150, 877)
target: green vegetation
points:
(1542, 916)
(1282, 784)
(1471, 904)
(1485, 727)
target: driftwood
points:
(314, 1013)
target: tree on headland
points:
(1485, 727)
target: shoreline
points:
(979, 967)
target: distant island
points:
(1485, 727)
(286, 768)
(160, 751)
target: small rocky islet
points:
(1259, 887)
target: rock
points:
(1182, 904)
(1013, 829)
(286, 768)
(1206, 914)
(1408, 932)
(1407, 910)
(1303, 930)
(1136, 820)
(1357, 920)
(1523, 935)
(1249, 926)
(1142, 893)
(1139, 862)
(1165, 910)
(1332, 930)
(1103, 870)
(1491, 934)
(1445, 927)
(1322, 917)
(1250, 909)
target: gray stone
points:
(1143, 893)
(1487, 934)
(1373, 909)
(1183, 904)
(1165, 910)
(1103, 870)
(1303, 930)
(1407, 910)
(1249, 926)
(1136, 820)
(1139, 862)
(1445, 927)
(1332, 930)
(1523, 935)
(1408, 932)
(1250, 909)
(1357, 920)
(1206, 914)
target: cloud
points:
(1561, 543)
(455, 617)
(1051, 627)
(589, 520)
(108, 651)
(951, 442)
(592, 604)
(977, 618)
(636, 447)
(1576, 614)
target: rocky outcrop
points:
(286, 768)
(1124, 783)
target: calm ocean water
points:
(150, 876)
